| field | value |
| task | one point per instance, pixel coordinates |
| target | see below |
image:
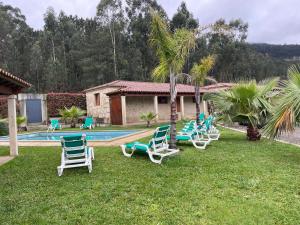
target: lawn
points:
(232, 182)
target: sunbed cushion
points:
(182, 138)
(137, 147)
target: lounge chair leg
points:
(201, 147)
(60, 170)
(92, 153)
(123, 147)
(158, 161)
(90, 167)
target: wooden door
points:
(115, 110)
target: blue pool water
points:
(90, 135)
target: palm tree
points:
(199, 74)
(20, 121)
(246, 102)
(172, 51)
(148, 117)
(72, 113)
(286, 114)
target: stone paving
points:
(115, 142)
(5, 159)
(293, 138)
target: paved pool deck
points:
(5, 159)
(288, 138)
(114, 142)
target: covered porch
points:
(10, 86)
(127, 108)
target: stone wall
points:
(136, 105)
(190, 107)
(102, 110)
(22, 98)
(164, 111)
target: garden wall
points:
(56, 101)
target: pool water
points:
(90, 135)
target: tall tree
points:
(110, 13)
(199, 74)
(183, 19)
(172, 51)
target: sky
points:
(270, 21)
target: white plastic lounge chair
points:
(54, 125)
(209, 130)
(192, 135)
(75, 153)
(157, 148)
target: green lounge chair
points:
(201, 117)
(54, 125)
(209, 130)
(191, 134)
(157, 148)
(88, 123)
(75, 153)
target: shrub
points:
(148, 117)
(72, 113)
(3, 128)
(56, 101)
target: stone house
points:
(122, 102)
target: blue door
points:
(34, 110)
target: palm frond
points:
(287, 111)
(200, 71)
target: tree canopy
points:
(71, 54)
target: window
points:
(97, 99)
(162, 100)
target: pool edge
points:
(113, 142)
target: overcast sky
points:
(270, 21)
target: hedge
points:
(56, 101)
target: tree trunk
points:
(197, 99)
(173, 94)
(253, 133)
(73, 124)
(148, 123)
(113, 41)
(53, 50)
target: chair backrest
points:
(208, 123)
(202, 116)
(54, 122)
(159, 138)
(189, 127)
(88, 121)
(74, 146)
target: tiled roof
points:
(136, 87)
(8, 76)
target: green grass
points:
(232, 182)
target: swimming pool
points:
(90, 135)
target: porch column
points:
(205, 107)
(182, 106)
(123, 105)
(12, 123)
(156, 107)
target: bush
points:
(56, 101)
(3, 128)
(4, 107)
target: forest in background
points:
(71, 54)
